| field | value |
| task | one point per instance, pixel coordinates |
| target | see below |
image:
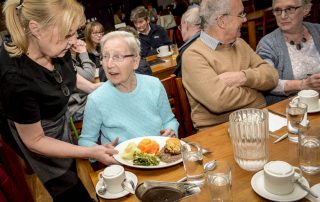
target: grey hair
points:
(132, 42)
(210, 10)
(303, 2)
(191, 16)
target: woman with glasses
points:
(293, 49)
(93, 34)
(36, 80)
(128, 105)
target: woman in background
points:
(36, 80)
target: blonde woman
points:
(36, 80)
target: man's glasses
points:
(115, 58)
(289, 11)
(57, 76)
(241, 15)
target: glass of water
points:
(193, 163)
(296, 113)
(219, 182)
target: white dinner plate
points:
(108, 195)
(316, 189)
(257, 183)
(164, 55)
(315, 110)
(159, 139)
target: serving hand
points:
(167, 132)
(104, 153)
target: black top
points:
(149, 43)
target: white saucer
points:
(165, 55)
(107, 195)
(257, 183)
(315, 110)
(315, 189)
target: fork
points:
(204, 151)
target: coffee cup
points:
(163, 50)
(114, 178)
(279, 177)
(309, 97)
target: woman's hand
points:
(167, 132)
(104, 153)
(79, 47)
(312, 82)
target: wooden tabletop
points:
(218, 140)
(165, 69)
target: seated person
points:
(86, 68)
(144, 67)
(151, 36)
(128, 105)
(190, 31)
(293, 49)
(220, 72)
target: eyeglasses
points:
(289, 11)
(241, 15)
(57, 76)
(97, 33)
(115, 58)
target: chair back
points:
(185, 109)
(172, 92)
(269, 22)
(248, 6)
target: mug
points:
(163, 50)
(309, 97)
(114, 179)
(279, 177)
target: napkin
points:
(276, 122)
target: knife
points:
(277, 113)
(281, 138)
(307, 189)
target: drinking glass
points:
(249, 134)
(296, 112)
(219, 182)
(193, 163)
(174, 49)
(309, 150)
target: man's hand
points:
(233, 79)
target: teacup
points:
(114, 178)
(309, 97)
(279, 177)
(163, 50)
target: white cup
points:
(114, 179)
(279, 177)
(163, 50)
(309, 97)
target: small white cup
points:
(279, 177)
(163, 50)
(309, 97)
(114, 179)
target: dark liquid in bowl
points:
(161, 194)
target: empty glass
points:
(249, 133)
(296, 112)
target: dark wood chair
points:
(185, 109)
(269, 22)
(173, 96)
(248, 6)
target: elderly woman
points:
(128, 105)
(293, 49)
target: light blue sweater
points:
(143, 112)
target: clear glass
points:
(249, 133)
(174, 49)
(296, 113)
(309, 150)
(193, 163)
(219, 182)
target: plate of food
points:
(150, 152)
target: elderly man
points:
(151, 36)
(190, 31)
(221, 73)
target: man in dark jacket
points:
(151, 36)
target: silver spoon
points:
(210, 165)
(204, 151)
(102, 190)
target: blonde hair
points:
(87, 34)
(18, 13)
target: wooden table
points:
(163, 70)
(217, 139)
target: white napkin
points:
(276, 122)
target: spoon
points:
(204, 151)
(103, 189)
(210, 165)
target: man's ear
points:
(34, 28)
(221, 22)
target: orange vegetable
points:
(149, 146)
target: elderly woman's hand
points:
(104, 153)
(312, 82)
(167, 132)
